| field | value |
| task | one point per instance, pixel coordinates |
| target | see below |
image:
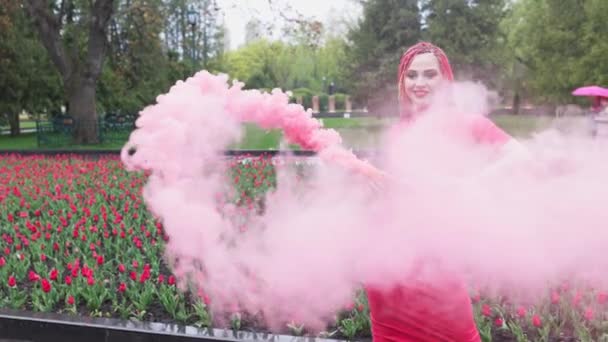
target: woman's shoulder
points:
(486, 131)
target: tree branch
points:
(101, 13)
(48, 28)
(61, 13)
(524, 62)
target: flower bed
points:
(76, 238)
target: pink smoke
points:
(519, 227)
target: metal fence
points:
(113, 129)
(59, 131)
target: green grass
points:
(22, 141)
(25, 124)
(258, 139)
(356, 132)
(27, 141)
(522, 126)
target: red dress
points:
(421, 311)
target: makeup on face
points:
(421, 78)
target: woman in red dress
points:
(440, 310)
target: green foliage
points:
(340, 101)
(266, 64)
(539, 49)
(387, 28)
(469, 33)
(137, 67)
(561, 43)
(28, 82)
(323, 102)
(306, 94)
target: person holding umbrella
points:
(599, 108)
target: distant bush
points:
(340, 101)
(323, 102)
(306, 94)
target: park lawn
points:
(23, 141)
(522, 126)
(27, 141)
(27, 124)
(356, 132)
(24, 124)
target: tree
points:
(60, 28)
(137, 68)
(469, 32)
(200, 41)
(27, 80)
(387, 28)
(560, 43)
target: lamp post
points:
(193, 17)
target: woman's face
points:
(421, 78)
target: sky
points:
(238, 12)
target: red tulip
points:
(161, 278)
(499, 322)
(577, 298)
(90, 281)
(121, 268)
(71, 300)
(133, 275)
(33, 276)
(536, 321)
(589, 314)
(46, 286)
(145, 275)
(521, 312)
(11, 281)
(2, 261)
(171, 280)
(122, 287)
(486, 310)
(68, 280)
(100, 260)
(84, 271)
(53, 275)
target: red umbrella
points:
(591, 91)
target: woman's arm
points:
(509, 151)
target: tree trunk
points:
(81, 104)
(79, 75)
(13, 121)
(516, 103)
